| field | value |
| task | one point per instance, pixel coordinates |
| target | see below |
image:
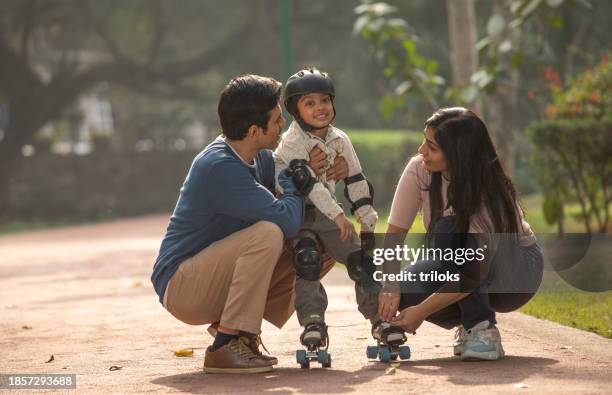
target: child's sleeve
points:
(357, 189)
(292, 147)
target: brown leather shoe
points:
(254, 341)
(235, 357)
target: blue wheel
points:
(384, 354)
(322, 356)
(300, 357)
(372, 352)
(404, 352)
(327, 363)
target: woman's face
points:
(432, 154)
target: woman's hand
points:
(410, 319)
(388, 302)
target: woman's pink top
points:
(411, 196)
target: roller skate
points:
(316, 341)
(389, 343)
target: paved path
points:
(85, 293)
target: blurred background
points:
(104, 104)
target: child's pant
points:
(310, 296)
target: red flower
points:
(594, 97)
(530, 94)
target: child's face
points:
(316, 109)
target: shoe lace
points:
(242, 349)
(459, 333)
(254, 341)
(258, 342)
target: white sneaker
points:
(482, 342)
(460, 335)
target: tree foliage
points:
(396, 44)
(573, 148)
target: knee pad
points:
(361, 268)
(307, 259)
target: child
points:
(308, 97)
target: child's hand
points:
(346, 227)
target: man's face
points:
(276, 123)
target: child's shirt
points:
(297, 144)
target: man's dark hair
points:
(247, 100)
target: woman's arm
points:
(411, 318)
(389, 296)
(406, 204)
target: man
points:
(217, 261)
(222, 260)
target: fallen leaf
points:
(436, 345)
(566, 347)
(51, 359)
(186, 352)
(26, 327)
(521, 385)
(67, 367)
(115, 367)
(391, 370)
(362, 338)
(137, 284)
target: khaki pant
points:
(237, 281)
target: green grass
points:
(15, 227)
(375, 138)
(583, 310)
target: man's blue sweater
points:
(220, 196)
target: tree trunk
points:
(502, 113)
(463, 36)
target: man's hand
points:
(388, 302)
(410, 319)
(339, 169)
(317, 160)
(346, 227)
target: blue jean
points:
(487, 293)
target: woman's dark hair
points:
(247, 100)
(476, 176)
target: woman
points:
(466, 200)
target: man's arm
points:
(238, 194)
(320, 196)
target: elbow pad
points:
(362, 201)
